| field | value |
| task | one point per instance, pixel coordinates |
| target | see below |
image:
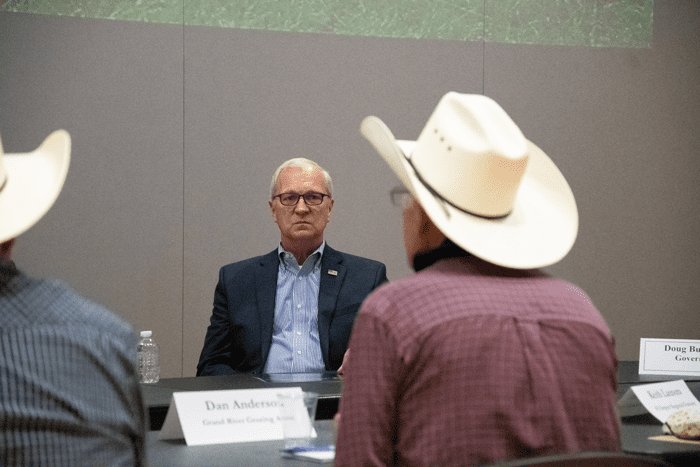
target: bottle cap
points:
(146, 333)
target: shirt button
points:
(299, 333)
(299, 305)
(299, 352)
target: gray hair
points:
(302, 163)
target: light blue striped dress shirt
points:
(295, 343)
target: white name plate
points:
(659, 399)
(229, 416)
(669, 357)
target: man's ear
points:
(272, 211)
(432, 234)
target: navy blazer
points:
(239, 336)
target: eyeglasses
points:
(401, 197)
(311, 198)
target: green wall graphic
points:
(591, 23)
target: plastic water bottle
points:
(148, 362)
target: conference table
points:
(327, 385)
(157, 397)
(636, 431)
(257, 454)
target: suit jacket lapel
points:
(332, 275)
(267, 291)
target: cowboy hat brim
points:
(539, 231)
(34, 181)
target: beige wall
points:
(176, 132)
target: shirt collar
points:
(447, 249)
(8, 270)
(288, 261)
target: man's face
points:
(301, 222)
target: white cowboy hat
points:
(486, 187)
(30, 183)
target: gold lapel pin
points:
(332, 272)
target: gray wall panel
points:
(622, 126)
(115, 233)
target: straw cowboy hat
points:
(30, 183)
(482, 183)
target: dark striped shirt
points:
(69, 394)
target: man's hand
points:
(345, 359)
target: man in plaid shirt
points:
(480, 356)
(69, 392)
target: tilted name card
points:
(669, 357)
(227, 416)
(659, 399)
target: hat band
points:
(434, 192)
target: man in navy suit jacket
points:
(253, 298)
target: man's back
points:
(69, 393)
(477, 368)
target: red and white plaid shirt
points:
(467, 363)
